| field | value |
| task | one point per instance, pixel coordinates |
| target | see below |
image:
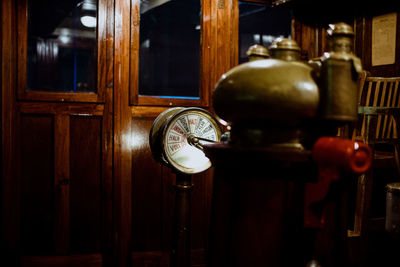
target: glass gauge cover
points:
(181, 137)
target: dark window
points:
(260, 24)
(62, 45)
(169, 56)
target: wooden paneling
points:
(107, 179)
(306, 37)
(122, 154)
(60, 109)
(61, 184)
(167, 207)
(93, 260)
(150, 259)
(161, 259)
(147, 190)
(207, 50)
(48, 145)
(10, 200)
(85, 184)
(360, 43)
(201, 208)
(37, 185)
(223, 38)
(235, 33)
(134, 52)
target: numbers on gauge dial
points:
(178, 148)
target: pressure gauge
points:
(177, 135)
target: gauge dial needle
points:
(205, 139)
(195, 141)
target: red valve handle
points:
(343, 155)
(334, 157)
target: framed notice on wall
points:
(384, 39)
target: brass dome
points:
(285, 49)
(269, 90)
(257, 50)
(284, 44)
(340, 28)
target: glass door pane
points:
(62, 45)
(169, 53)
(261, 24)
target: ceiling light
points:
(65, 39)
(89, 21)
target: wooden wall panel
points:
(201, 208)
(223, 38)
(306, 37)
(167, 206)
(37, 184)
(150, 259)
(85, 184)
(93, 260)
(61, 184)
(39, 158)
(10, 200)
(122, 154)
(147, 190)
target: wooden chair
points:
(377, 126)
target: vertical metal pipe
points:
(180, 253)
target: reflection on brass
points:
(279, 2)
(256, 52)
(266, 101)
(338, 72)
(313, 263)
(285, 49)
(282, 101)
(340, 28)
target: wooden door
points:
(80, 186)
(57, 188)
(152, 183)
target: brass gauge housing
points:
(177, 135)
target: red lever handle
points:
(343, 155)
(334, 157)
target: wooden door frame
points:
(10, 108)
(23, 93)
(10, 223)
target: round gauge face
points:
(155, 131)
(183, 137)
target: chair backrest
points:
(379, 113)
(380, 92)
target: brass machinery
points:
(275, 172)
(280, 176)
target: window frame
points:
(22, 58)
(205, 59)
